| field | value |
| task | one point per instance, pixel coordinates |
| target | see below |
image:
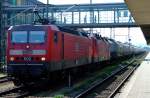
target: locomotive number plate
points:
(27, 58)
(27, 52)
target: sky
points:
(136, 39)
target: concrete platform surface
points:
(138, 85)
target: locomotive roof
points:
(53, 27)
(26, 27)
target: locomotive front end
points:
(27, 51)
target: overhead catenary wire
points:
(35, 3)
(31, 8)
(19, 14)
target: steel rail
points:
(80, 95)
(122, 83)
(4, 79)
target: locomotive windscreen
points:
(36, 37)
(19, 37)
(28, 37)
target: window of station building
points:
(125, 14)
(119, 13)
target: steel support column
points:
(0, 31)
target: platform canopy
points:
(140, 10)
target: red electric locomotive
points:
(36, 50)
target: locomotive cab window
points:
(36, 37)
(19, 37)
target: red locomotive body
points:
(101, 50)
(37, 50)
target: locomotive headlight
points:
(43, 58)
(11, 58)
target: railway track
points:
(108, 87)
(128, 74)
(85, 87)
(22, 91)
(15, 92)
(4, 79)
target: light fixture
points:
(12, 59)
(43, 58)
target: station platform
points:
(138, 86)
